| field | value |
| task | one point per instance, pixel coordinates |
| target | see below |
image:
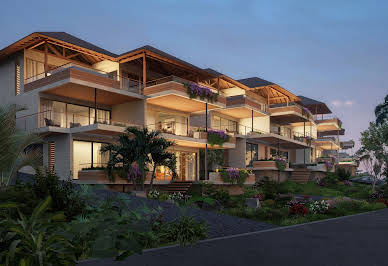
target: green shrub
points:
(269, 188)
(63, 193)
(185, 230)
(343, 174)
(269, 203)
(163, 196)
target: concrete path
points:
(352, 240)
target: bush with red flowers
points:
(385, 201)
(258, 196)
(297, 208)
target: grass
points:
(356, 191)
(279, 214)
(276, 211)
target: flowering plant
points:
(194, 90)
(297, 208)
(176, 196)
(281, 164)
(153, 194)
(305, 112)
(217, 137)
(258, 196)
(347, 183)
(133, 172)
(234, 175)
(319, 207)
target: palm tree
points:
(381, 112)
(135, 146)
(16, 151)
(160, 156)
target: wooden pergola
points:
(274, 94)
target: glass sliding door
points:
(186, 167)
(87, 155)
(252, 154)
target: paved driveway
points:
(353, 240)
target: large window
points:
(252, 154)
(86, 155)
(223, 124)
(68, 115)
(173, 124)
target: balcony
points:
(241, 106)
(284, 139)
(170, 92)
(81, 83)
(58, 122)
(188, 136)
(290, 113)
(328, 123)
(328, 143)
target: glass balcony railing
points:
(62, 120)
(123, 83)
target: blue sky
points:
(333, 51)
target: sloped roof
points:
(255, 82)
(63, 36)
(214, 72)
(316, 107)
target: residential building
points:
(80, 97)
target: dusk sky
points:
(332, 51)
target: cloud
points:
(339, 103)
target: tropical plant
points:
(110, 231)
(381, 112)
(34, 240)
(16, 146)
(153, 194)
(160, 156)
(134, 146)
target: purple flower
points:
(220, 133)
(133, 172)
(233, 173)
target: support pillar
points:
(304, 149)
(206, 175)
(252, 121)
(95, 105)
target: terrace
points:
(85, 84)
(328, 123)
(289, 113)
(172, 92)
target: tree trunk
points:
(373, 185)
(153, 176)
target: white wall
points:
(259, 123)
(131, 112)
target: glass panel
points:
(216, 122)
(248, 155)
(255, 152)
(172, 124)
(82, 155)
(191, 166)
(77, 115)
(99, 160)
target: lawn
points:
(355, 191)
(339, 199)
